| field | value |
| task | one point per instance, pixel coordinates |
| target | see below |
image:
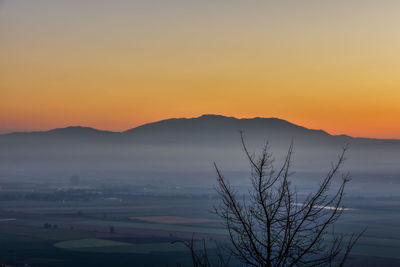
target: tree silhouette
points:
(271, 227)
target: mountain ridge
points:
(203, 123)
(183, 143)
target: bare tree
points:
(271, 227)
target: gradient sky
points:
(332, 65)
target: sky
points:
(332, 65)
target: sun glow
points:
(328, 65)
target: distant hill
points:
(184, 143)
(206, 128)
(218, 123)
(70, 130)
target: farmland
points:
(101, 229)
(112, 227)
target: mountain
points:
(218, 123)
(206, 125)
(60, 132)
(204, 129)
(183, 143)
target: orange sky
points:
(332, 65)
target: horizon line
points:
(172, 118)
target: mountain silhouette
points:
(184, 143)
(204, 129)
(206, 126)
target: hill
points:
(184, 143)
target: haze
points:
(113, 114)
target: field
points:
(142, 229)
(89, 243)
(80, 231)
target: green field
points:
(107, 246)
(158, 226)
(83, 237)
(88, 243)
